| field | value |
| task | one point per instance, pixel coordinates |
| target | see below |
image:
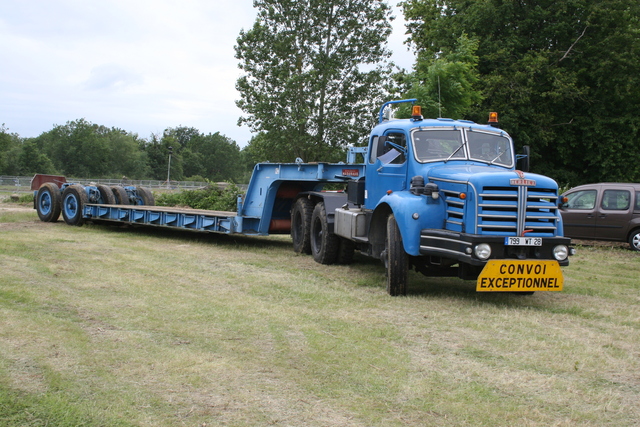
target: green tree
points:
(313, 70)
(445, 84)
(213, 156)
(83, 149)
(564, 75)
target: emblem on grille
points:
(521, 180)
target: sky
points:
(138, 65)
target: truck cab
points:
(444, 197)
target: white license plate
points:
(523, 241)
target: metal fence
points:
(22, 184)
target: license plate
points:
(523, 241)
(520, 276)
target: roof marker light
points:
(416, 112)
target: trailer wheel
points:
(120, 195)
(73, 199)
(301, 226)
(324, 245)
(106, 195)
(48, 201)
(145, 196)
(395, 259)
(346, 250)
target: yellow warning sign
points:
(520, 276)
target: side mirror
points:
(524, 159)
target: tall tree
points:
(564, 74)
(313, 71)
(445, 84)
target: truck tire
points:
(48, 202)
(106, 195)
(120, 195)
(145, 197)
(324, 245)
(395, 259)
(73, 199)
(634, 240)
(301, 226)
(346, 249)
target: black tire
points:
(48, 202)
(324, 245)
(634, 240)
(74, 198)
(145, 197)
(301, 226)
(120, 195)
(346, 250)
(395, 259)
(106, 195)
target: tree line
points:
(83, 149)
(563, 74)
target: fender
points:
(413, 213)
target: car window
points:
(637, 201)
(585, 199)
(616, 200)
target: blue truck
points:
(439, 196)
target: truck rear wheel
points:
(301, 226)
(48, 201)
(324, 245)
(346, 250)
(106, 196)
(121, 195)
(395, 259)
(73, 199)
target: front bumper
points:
(459, 246)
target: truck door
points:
(387, 166)
(614, 213)
(579, 214)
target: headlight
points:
(560, 252)
(482, 251)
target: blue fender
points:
(414, 213)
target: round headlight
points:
(561, 252)
(482, 251)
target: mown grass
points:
(102, 326)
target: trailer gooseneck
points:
(439, 196)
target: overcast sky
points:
(139, 65)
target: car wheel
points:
(634, 240)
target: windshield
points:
(490, 147)
(442, 145)
(438, 145)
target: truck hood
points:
(479, 175)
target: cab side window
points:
(400, 140)
(585, 199)
(616, 200)
(383, 144)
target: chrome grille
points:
(512, 210)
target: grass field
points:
(108, 326)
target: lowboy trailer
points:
(439, 196)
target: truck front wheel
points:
(301, 226)
(395, 259)
(324, 245)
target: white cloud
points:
(139, 65)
